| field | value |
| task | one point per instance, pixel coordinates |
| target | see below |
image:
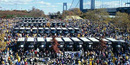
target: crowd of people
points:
(90, 57)
(87, 29)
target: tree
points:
(72, 12)
(67, 13)
(76, 11)
(98, 16)
(103, 15)
(59, 15)
(90, 15)
(121, 21)
(2, 43)
(36, 13)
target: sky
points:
(57, 5)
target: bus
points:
(87, 44)
(22, 30)
(115, 45)
(63, 24)
(65, 31)
(21, 43)
(49, 43)
(40, 30)
(77, 44)
(61, 42)
(34, 30)
(95, 42)
(77, 30)
(30, 43)
(40, 24)
(69, 45)
(47, 30)
(26, 24)
(71, 31)
(28, 30)
(53, 24)
(58, 24)
(53, 31)
(16, 30)
(124, 45)
(41, 44)
(59, 31)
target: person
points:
(3, 63)
(25, 61)
(35, 60)
(22, 62)
(18, 63)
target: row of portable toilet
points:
(40, 24)
(30, 18)
(68, 44)
(47, 30)
(33, 21)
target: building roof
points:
(22, 28)
(64, 28)
(16, 28)
(105, 40)
(122, 40)
(21, 39)
(67, 39)
(93, 39)
(75, 39)
(40, 28)
(49, 39)
(59, 39)
(40, 39)
(112, 39)
(76, 28)
(84, 39)
(46, 28)
(28, 28)
(70, 28)
(34, 28)
(58, 28)
(30, 39)
(53, 28)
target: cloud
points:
(51, 6)
(52, 10)
(59, 3)
(44, 3)
(47, 5)
(10, 2)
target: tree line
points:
(22, 13)
(101, 16)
